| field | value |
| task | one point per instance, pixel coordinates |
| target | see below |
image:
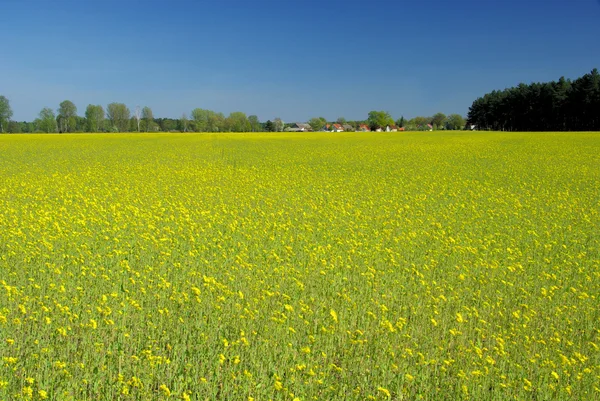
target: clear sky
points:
(293, 59)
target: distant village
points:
(303, 127)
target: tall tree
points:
(562, 105)
(238, 122)
(379, 119)
(278, 124)
(341, 120)
(201, 119)
(5, 112)
(317, 123)
(454, 122)
(438, 120)
(95, 118)
(67, 113)
(400, 122)
(138, 117)
(148, 117)
(118, 114)
(46, 121)
(269, 127)
(254, 123)
(184, 122)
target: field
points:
(434, 266)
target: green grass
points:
(436, 266)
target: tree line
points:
(117, 117)
(562, 105)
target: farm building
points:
(300, 127)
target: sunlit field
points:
(382, 266)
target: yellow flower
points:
(334, 315)
(27, 392)
(385, 392)
(165, 390)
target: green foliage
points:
(67, 113)
(13, 127)
(95, 118)
(564, 105)
(184, 123)
(254, 123)
(238, 122)
(455, 122)
(437, 121)
(278, 125)
(419, 123)
(208, 120)
(167, 125)
(118, 115)
(147, 118)
(379, 119)
(317, 123)
(46, 121)
(5, 112)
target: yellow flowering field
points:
(389, 266)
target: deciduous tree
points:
(379, 119)
(317, 123)
(67, 113)
(118, 114)
(138, 117)
(420, 123)
(46, 121)
(148, 118)
(238, 122)
(95, 118)
(5, 112)
(438, 120)
(254, 123)
(184, 122)
(278, 124)
(455, 122)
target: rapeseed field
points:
(357, 266)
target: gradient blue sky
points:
(293, 59)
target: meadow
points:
(350, 266)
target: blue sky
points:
(293, 59)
